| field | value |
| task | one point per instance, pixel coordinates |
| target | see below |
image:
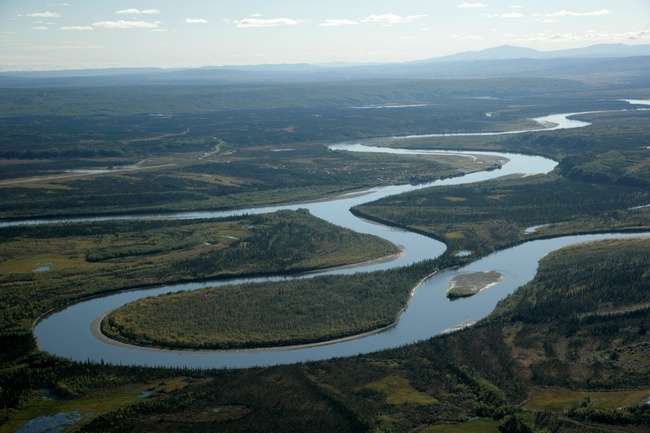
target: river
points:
(72, 332)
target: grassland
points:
(268, 314)
(87, 259)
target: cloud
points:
(338, 23)
(467, 37)
(134, 11)
(589, 36)
(633, 36)
(390, 19)
(472, 5)
(566, 13)
(508, 15)
(76, 28)
(248, 23)
(45, 14)
(511, 15)
(124, 24)
(196, 21)
(39, 28)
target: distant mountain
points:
(504, 52)
(509, 52)
(605, 50)
(605, 63)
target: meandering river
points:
(72, 332)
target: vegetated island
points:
(88, 259)
(507, 369)
(466, 285)
(287, 313)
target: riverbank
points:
(86, 260)
(286, 314)
(519, 164)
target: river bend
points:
(72, 332)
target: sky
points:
(43, 34)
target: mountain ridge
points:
(501, 52)
(512, 52)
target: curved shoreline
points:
(98, 334)
(394, 336)
(161, 213)
(96, 330)
(216, 279)
(530, 237)
(157, 214)
(357, 337)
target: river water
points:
(71, 333)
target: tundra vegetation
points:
(87, 259)
(550, 358)
(601, 183)
(568, 352)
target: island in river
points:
(465, 285)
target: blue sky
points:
(37, 34)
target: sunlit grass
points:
(398, 391)
(559, 399)
(474, 426)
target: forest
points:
(566, 353)
(82, 260)
(269, 314)
(561, 374)
(600, 183)
(177, 98)
(493, 215)
(228, 179)
(195, 152)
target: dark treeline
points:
(134, 100)
(607, 277)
